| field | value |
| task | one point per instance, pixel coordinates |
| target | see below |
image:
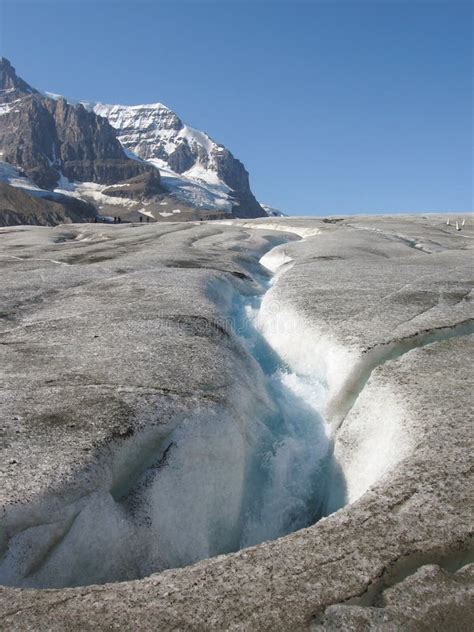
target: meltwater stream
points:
(215, 483)
(288, 472)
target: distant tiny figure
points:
(457, 225)
(147, 219)
(95, 220)
(119, 220)
(141, 218)
(115, 220)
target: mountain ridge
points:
(49, 139)
(61, 145)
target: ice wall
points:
(367, 430)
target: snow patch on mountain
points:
(201, 194)
(80, 190)
(92, 191)
(272, 211)
(15, 178)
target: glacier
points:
(280, 424)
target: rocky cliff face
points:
(12, 87)
(49, 138)
(155, 133)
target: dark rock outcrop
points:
(12, 86)
(234, 174)
(18, 207)
(142, 186)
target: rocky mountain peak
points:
(212, 175)
(11, 85)
(51, 139)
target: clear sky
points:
(334, 107)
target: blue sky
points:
(334, 107)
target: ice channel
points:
(204, 488)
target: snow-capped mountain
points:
(130, 160)
(195, 167)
